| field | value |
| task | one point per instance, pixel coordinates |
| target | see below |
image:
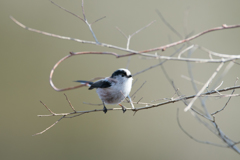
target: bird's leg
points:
(104, 108)
(131, 102)
(123, 108)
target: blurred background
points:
(27, 58)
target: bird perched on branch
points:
(114, 89)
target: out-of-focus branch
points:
(204, 87)
(190, 136)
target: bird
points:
(113, 89)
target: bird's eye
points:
(122, 75)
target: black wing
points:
(100, 84)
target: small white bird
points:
(114, 89)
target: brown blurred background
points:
(27, 58)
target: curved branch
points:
(68, 56)
(120, 56)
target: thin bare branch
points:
(219, 54)
(139, 100)
(100, 104)
(224, 105)
(190, 72)
(236, 62)
(83, 11)
(199, 141)
(138, 89)
(69, 103)
(48, 108)
(67, 11)
(203, 88)
(122, 32)
(220, 78)
(168, 24)
(186, 14)
(226, 102)
(185, 50)
(159, 64)
(50, 34)
(49, 126)
(75, 115)
(98, 20)
(202, 115)
(197, 60)
(142, 28)
(219, 86)
(188, 97)
(189, 79)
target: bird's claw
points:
(104, 109)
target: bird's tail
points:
(85, 82)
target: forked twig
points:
(190, 136)
(67, 11)
(130, 36)
(226, 102)
(49, 126)
(84, 20)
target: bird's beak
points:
(129, 76)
